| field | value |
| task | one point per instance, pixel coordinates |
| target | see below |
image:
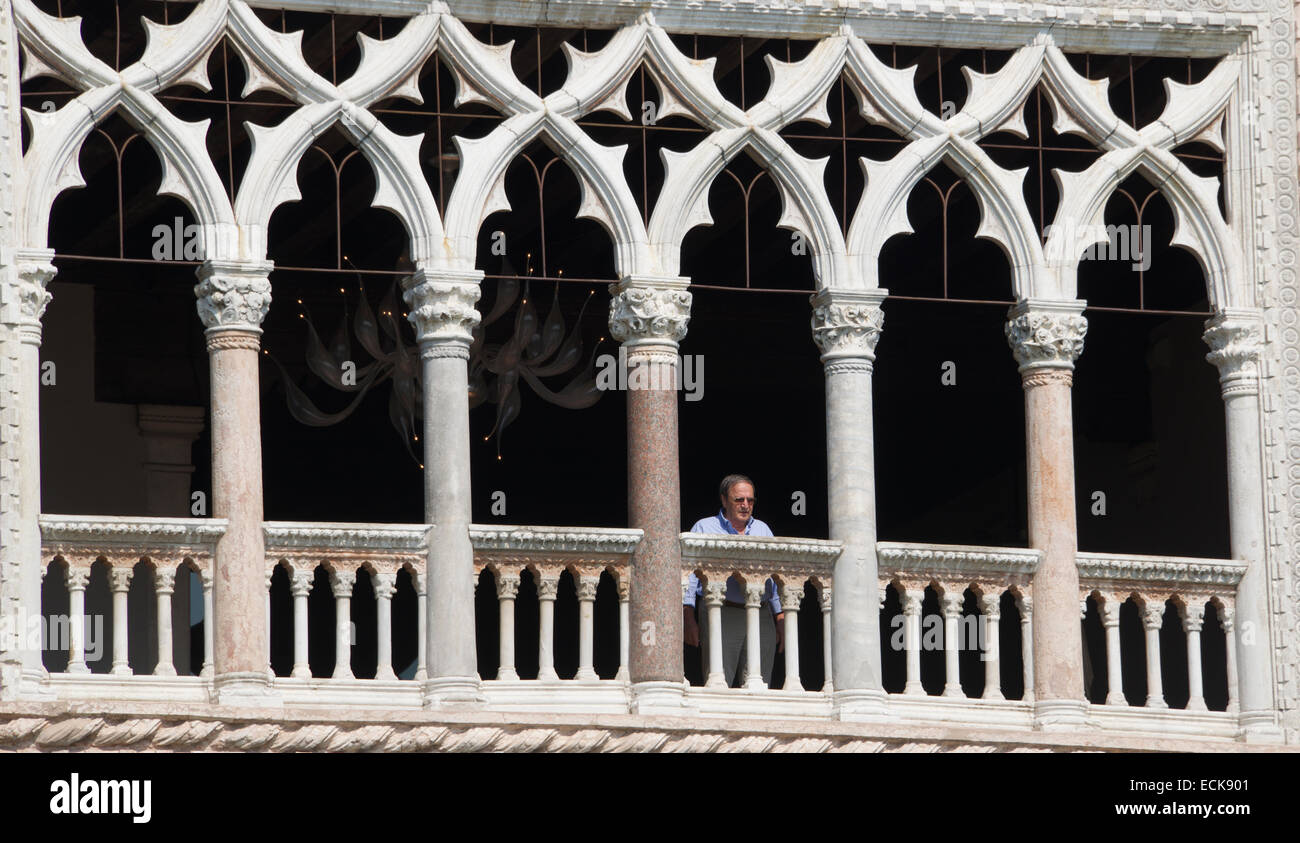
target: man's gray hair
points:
(724, 488)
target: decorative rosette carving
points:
(1235, 339)
(442, 308)
(1046, 335)
(649, 311)
(847, 324)
(233, 295)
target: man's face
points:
(738, 504)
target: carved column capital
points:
(1046, 334)
(824, 599)
(76, 579)
(1193, 616)
(911, 604)
(624, 590)
(341, 582)
(421, 583)
(846, 326)
(1110, 610)
(649, 311)
(119, 579)
(385, 584)
(233, 295)
(1235, 338)
(587, 587)
(507, 586)
(1025, 603)
(300, 584)
(1153, 617)
(1228, 619)
(952, 604)
(25, 298)
(791, 597)
(547, 587)
(715, 593)
(991, 606)
(753, 595)
(164, 582)
(442, 310)
(205, 577)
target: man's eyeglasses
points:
(742, 500)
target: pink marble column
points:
(23, 300)
(443, 314)
(649, 316)
(1046, 338)
(233, 298)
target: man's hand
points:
(780, 632)
(690, 627)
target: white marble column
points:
(76, 580)
(1227, 621)
(164, 583)
(791, 598)
(648, 316)
(385, 587)
(912, 599)
(1026, 606)
(624, 629)
(442, 310)
(753, 643)
(1046, 337)
(233, 298)
(547, 587)
(1234, 337)
(824, 602)
(587, 587)
(422, 626)
(1193, 616)
(714, 596)
(209, 635)
(300, 586)
(1153, 617)
(23, 299)
(119, 580)
(341, 583)
(846, 327)
(507, 591)
(991, 607)
(951, 646)
(1110, 609)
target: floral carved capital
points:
(442, 309)
(649, 311)
(233, 295)
(1046, 336)
(1235, 339)
(847, 324)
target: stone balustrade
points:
(950, 571)
(1193, 585)
(547, 553)
(165, 545)
(791, 563)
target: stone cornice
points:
(1126, 572)
(81, 539)
(492, 538)
(955, 561)
(1142, 26)
(203, 728)
(760, 554)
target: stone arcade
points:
(833, 588)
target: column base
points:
(385, 673)
(300, 671)
(1061, 715)
(251, 689)
(507, 674)
(453, 692)
(164, 670)
(1259, 727)
(954, 691)
(79, 669)
(586, 674)
(660, 697)
(622, 675)
(1116, 699)
(995, 694)
(207, 671)
(860, 706)
(121, 670)
(1196, 704)
(1156, 702)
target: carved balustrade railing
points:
(791, 563)
(165, 547)
(998, 578)
(1195, 587)
(546, 553)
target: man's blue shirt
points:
(718, 525)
